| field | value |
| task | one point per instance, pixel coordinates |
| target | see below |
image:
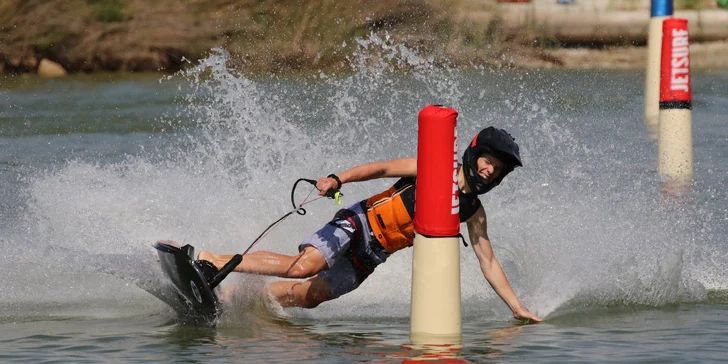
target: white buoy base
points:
(435, 307)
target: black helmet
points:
(496, 142)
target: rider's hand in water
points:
(527, 317)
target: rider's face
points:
(489, 167)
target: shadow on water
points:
(268, 338)
(264, 337)
(718, 297)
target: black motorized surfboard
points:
(194, 282)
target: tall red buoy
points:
(435, 307)
(675, 138)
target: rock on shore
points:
(49, 69)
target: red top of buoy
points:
(675, 87)
(437, 203)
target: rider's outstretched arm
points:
(405, 167)
(491, 268)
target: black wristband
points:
(338, 181)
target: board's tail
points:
(194, 281)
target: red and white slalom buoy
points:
(675, 138)
(435, 306)
(660, 10)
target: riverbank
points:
(703, 56)
(314, 35)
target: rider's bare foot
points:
(208, 256)
(169, 242)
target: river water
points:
(94, 169)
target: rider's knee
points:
(311, 303)
(302, 271)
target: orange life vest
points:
(391, 215)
